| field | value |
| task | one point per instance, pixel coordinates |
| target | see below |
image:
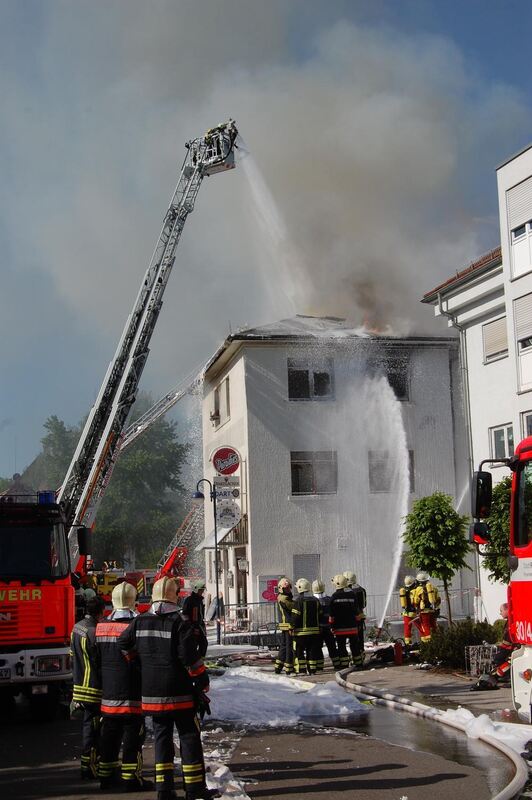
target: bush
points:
(447, 645)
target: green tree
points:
(495, 554)
(4, 483)
(435, 536)
(48, 470)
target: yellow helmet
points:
(164, 589)
(351, 577)
(339, 581)
(318, 587)
(302, 585)
(124, 596)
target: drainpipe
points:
(465, 382)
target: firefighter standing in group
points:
(408, 608)
(122, 719)
(361, 600)
(327, 638)
(427, 602)
(193, 610)
(343, 617)
(174, 685)
(285, 604)
(87, 690)
(306, 627)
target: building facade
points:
(337, 432)
(490, 303)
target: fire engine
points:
(519, 559)
(43, 538)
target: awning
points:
(208, 542)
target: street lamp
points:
(198, 498)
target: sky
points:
(371, 134)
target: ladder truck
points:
(519, 560)
(43, 538)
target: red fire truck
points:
(42, 541)
(520, 562)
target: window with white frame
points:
(495, 340)
(526, 424)
(314, 472)
(502, 441)
(222, 406)
(310, 379)
(523, 334)
(519, 215)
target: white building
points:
(337, 432)
(490, 303)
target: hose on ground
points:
(512, 790)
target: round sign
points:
(226, 460)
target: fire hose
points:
(389, 700)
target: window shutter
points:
(495, 338)
(523, 317)
(306, 565)
(519, 204)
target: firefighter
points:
(408, 608)
(174, 685)
(427, 602)
(87, 692)
(501, 661)
(122, 720)
(193, 611)
(318, 588)
(306, 626)
(361, 600)
(343, 617)
(285, 604)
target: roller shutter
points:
(523, 317)
(495, 338)
(307, 565)
(519, 204)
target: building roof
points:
(485, 263)
(306, 328)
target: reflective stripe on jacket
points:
(344, 612)
(306, 616)
(85, 662)
(285, 604)
(121, 691)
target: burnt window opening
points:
(314, 472)
(396, 369)
(382, 468)
(309, 380)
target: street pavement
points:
(41, 760)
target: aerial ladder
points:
(92, 463)
(173, 559)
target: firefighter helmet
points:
(198, 585)
(340, 581)
(422, 577)
(302, 585)
(284, 584)
(124, 596)
(164, 589)
(409, 580)
(318, 587)
(351, 577)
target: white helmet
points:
(422, 577)
(284, 584)
(409, 580)
(302, 585)
(351, 577)
(340, 581)
(164, 589)
(124, 596)
(318, 587)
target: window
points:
(526, 423)
(519, 215)
(314, 472)
(518, 232)
(382, 469)
(222, 407)
(495, 340)
(502, 441)
(310, 379)
(523, 508)
(523, 334)
(306, 565)
(411, 471)
(396, 368)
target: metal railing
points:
(252, 623)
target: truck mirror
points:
(513, 563)
(479, 533)
(83, 540)
(481, 495)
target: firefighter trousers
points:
(126, 730)
(90, 740)
(307, 652)
(426, 624)
(357, 652)
(329, 641)
(285, 659)
(188, 728)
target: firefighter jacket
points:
(85, 662)
(406, 598)
(345, 612)
(193, 610)
(360, 600)
(426, 597)
(506, 643)
(285, 604)
(306, 615)
(120, 677)
(171, 669)
(325, 604)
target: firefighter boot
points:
(137, 785)
(201, 794)
(167, 794)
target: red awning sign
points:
(226, 460)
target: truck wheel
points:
(43, 707)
